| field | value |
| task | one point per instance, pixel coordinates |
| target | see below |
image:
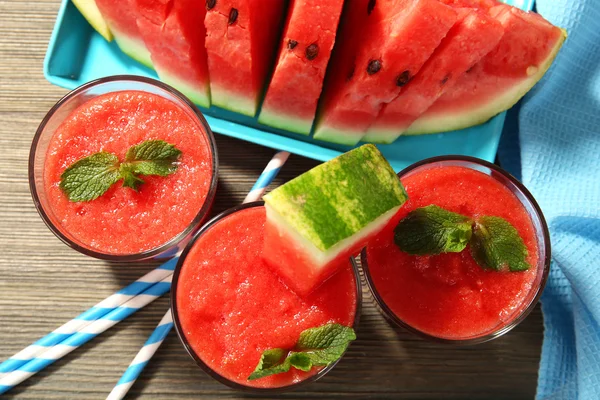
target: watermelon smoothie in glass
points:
(112, 115)
(228, 306)
(448, 297)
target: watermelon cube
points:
(121, 15)
(473, 36)
(309, 35)
(241, 38)
(381, 46)
(173, 31)
(501, 78)
(318, 220)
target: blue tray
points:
(77, 54)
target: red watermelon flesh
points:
(501, 78)
(240, 38)
(386, 49)
(294, 90)
(471, 38)
(173, 31)
(120, 15)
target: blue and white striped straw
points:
(267, 176)
(83, 320)
(84, 335)
(141, 359)
(166, 323)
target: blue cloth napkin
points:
(554, 148)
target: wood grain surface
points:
(43, 283)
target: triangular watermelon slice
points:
(309, 35)
(473, 36)
(120, 15)
(241, 36)
(318, 220)
(501, 78)
(382, 44)
(173, 31)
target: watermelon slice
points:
(120, 15)
(471, 38)
(318, 220)
(173, 31)
(91, 13)
(381, 46)
(241, 36)
(501, 78)
(291, 100)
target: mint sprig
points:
(316, 347)
(494, 242)
(433, 230)
(90, 177)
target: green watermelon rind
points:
(317, 255)
(336, 200)
(428, 124)
(339, 136)
(134, 48)
(233, 102)
(200, 98)
(92, 14)
(286, 122)
(383, 136)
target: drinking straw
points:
(84, 335)
(166, 323)
(86, 318)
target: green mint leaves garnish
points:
(433, 230)
(316, 347)
(89, 178)
(495, 243)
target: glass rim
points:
(521, 315)
(211, 372)
(146, 254)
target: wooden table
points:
(43, 283)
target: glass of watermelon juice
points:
(448, 297)
(111, 115)
(228, 306)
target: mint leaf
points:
(271, 363)
(316, 347)
(432, 230)
(496, 244)
(153, 157)
(90, 177)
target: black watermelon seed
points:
(351, 73)
(470, 69)
(292, 44)
(233, 14)
(373, 67)
(371, 6)
(443, 82)
(312, 51)
(403, 79)
(210, 4)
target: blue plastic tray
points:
(77, 54)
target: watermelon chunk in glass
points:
(318, 220)
(173, 31)
(473, 36)
(381, 46)
(501, 78)
(241, 36)
(121, 15)
(309, 35)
